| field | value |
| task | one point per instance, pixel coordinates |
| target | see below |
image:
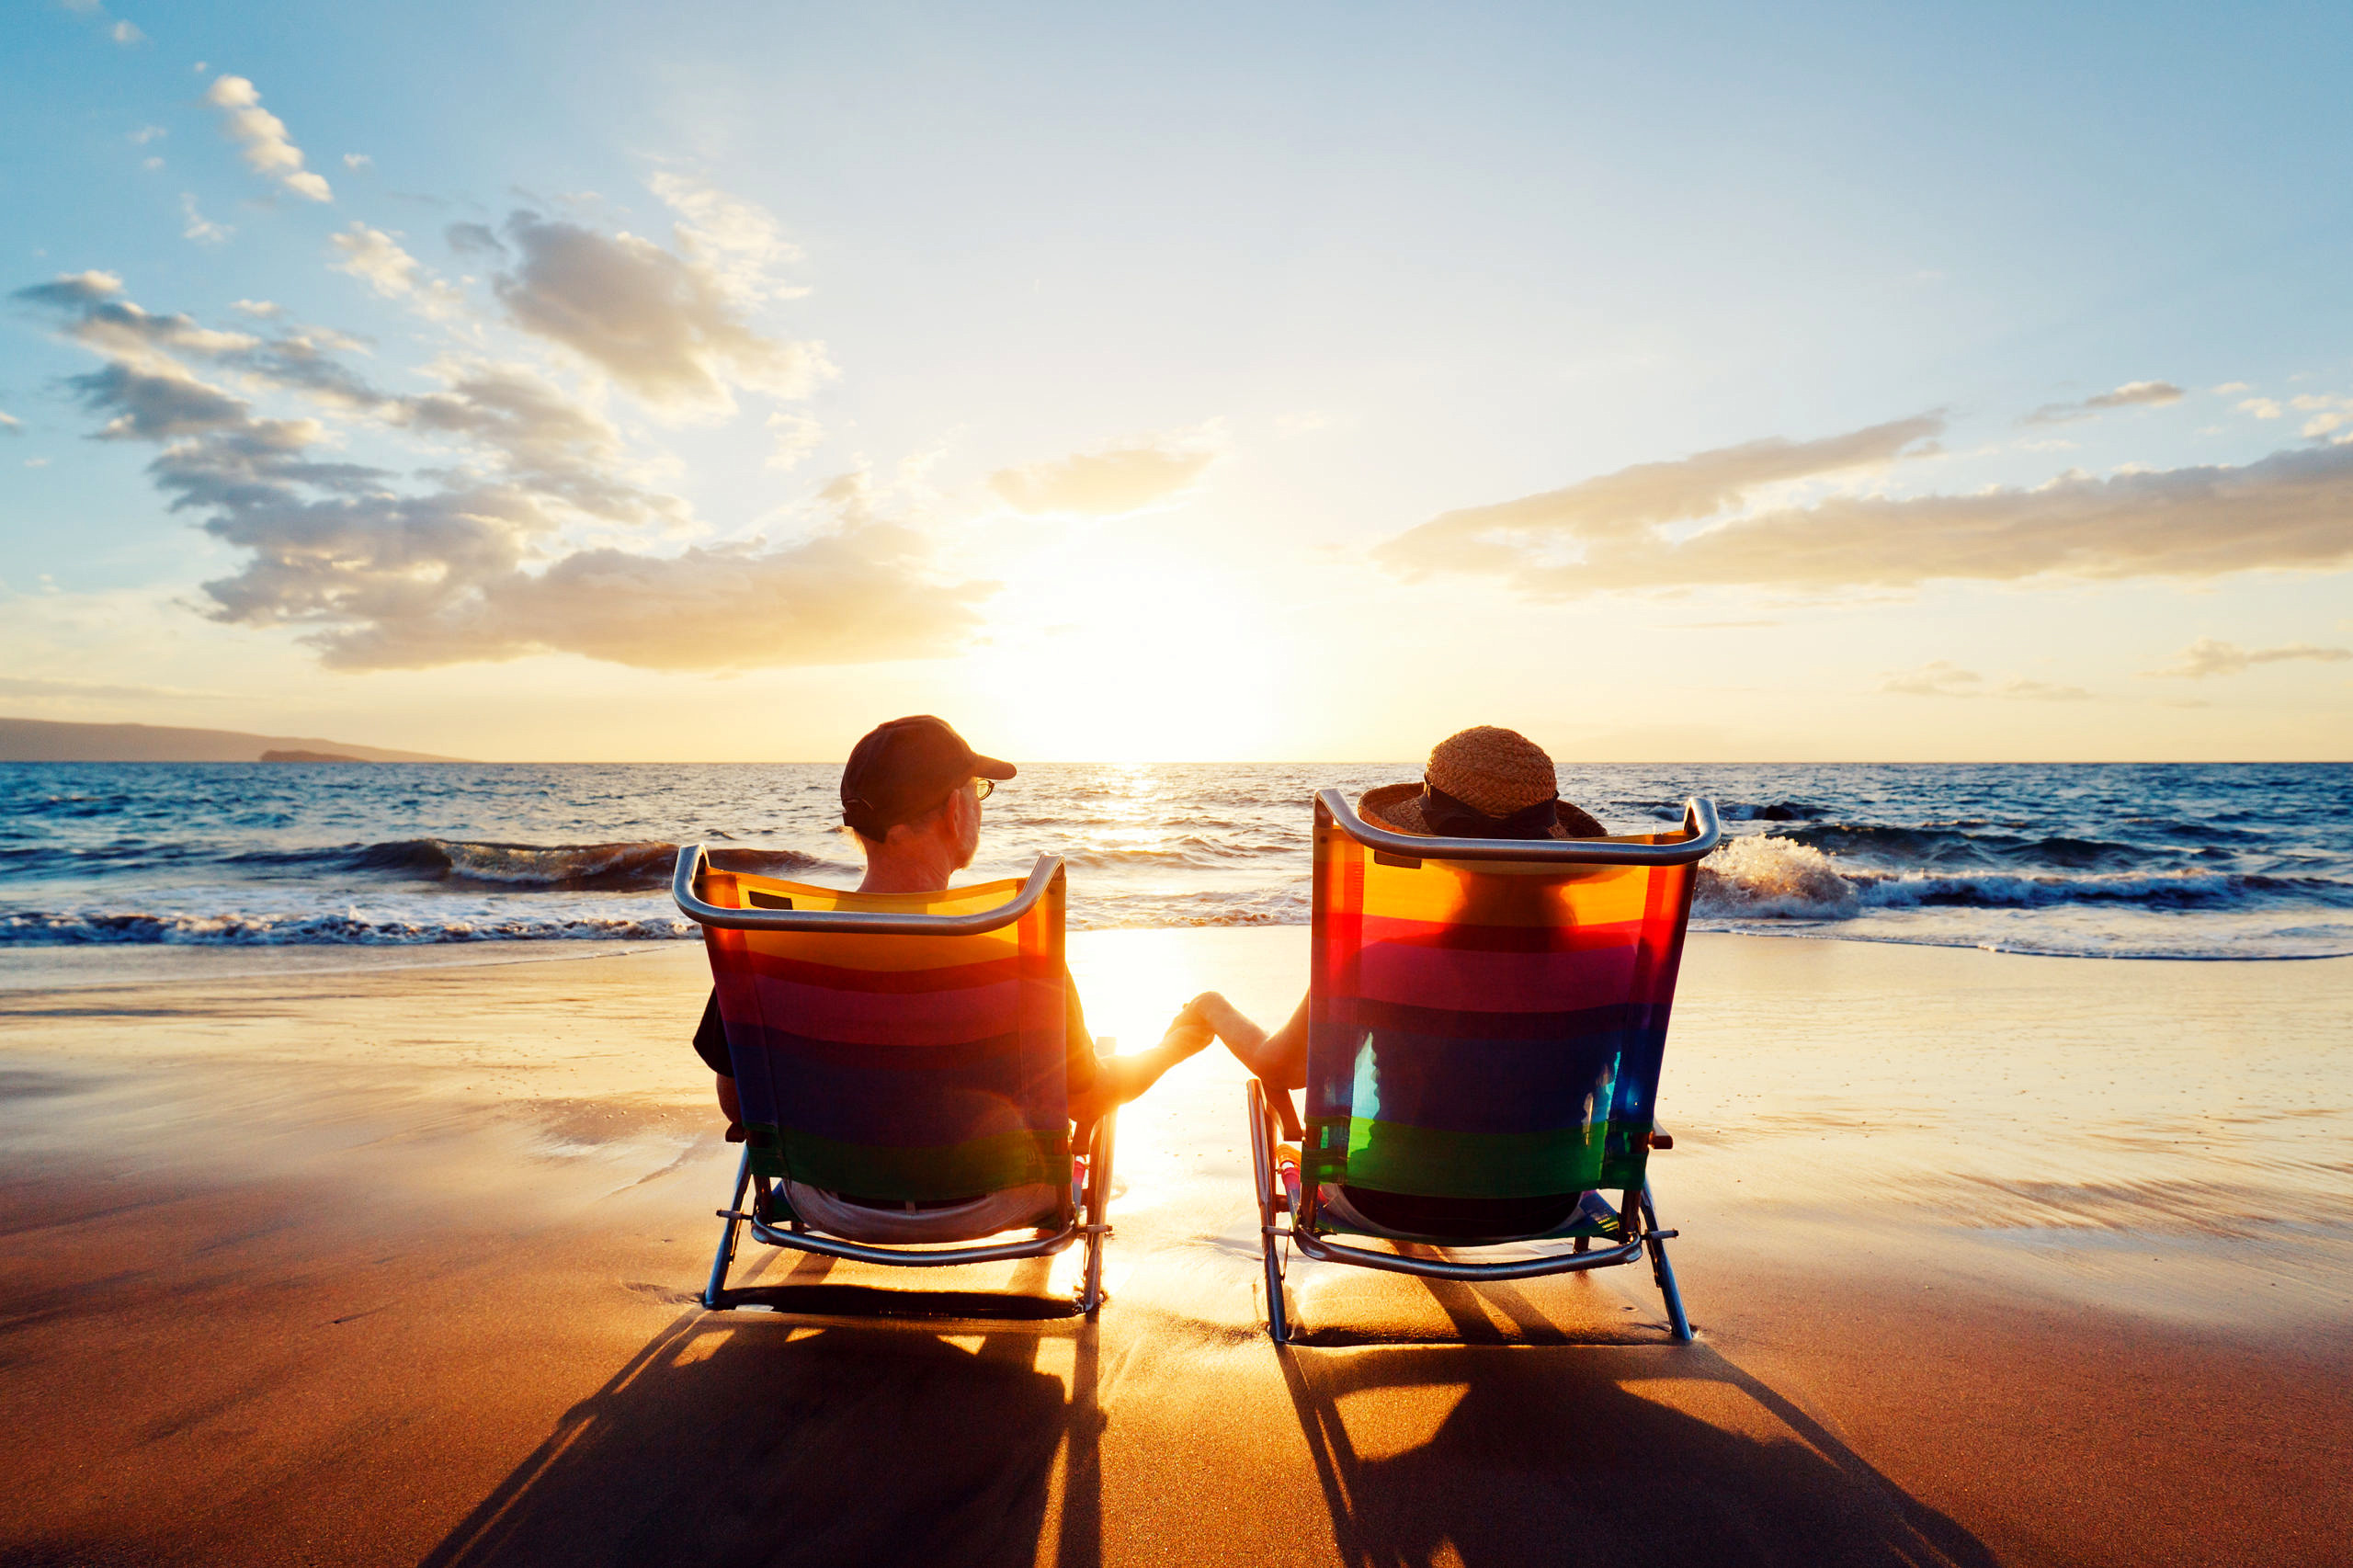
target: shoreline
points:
(45, 965)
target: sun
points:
(1101, 656)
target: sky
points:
(713, 381)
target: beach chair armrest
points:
(1661, 1137)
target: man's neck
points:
(922, 869)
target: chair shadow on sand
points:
(1553, 1454)
(760, 1438)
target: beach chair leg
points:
(1262, 1161)
(1663, 1272)
(714, 1295)
(1098, 1199)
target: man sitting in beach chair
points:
(893, 1035)
(1481, 1036)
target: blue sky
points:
(1217, 384)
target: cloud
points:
(475, 239)
(149, 406)
(742, 244)
(261, 310)
(1125, 478)
(2041, 691)
(1941, 677)
(261, 135)
(71, 291)
(10, 424)
(858, 594)
(40, 687)
(147, 134)
(666, 326)
(1629, 504)
(2293, 510)
(533, 436)
(200, 228)
(2131, 395)
(126, 34)
(121, 330)
(481, 557)
(2210, 656)
(357, 161)
(2329, 414)
(795, 436)
(376, 259)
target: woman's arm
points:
(1280, 1058)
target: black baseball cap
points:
(903, 768)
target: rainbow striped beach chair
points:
(1486, 1019)
(899, 1061)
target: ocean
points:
(2239, 861)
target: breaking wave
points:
(1787, 879)
(637, 865)
(347, 929)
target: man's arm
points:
(1119, 1079)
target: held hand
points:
(1185, 1035)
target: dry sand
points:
(328, 1257)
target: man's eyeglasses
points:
(983, 788)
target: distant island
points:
(43, 740)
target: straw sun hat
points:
(1502, 775)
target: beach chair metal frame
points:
(1284, 1222)
(1086, 1214)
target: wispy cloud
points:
(2031, 690)
(743, 244)
(1627, 505)
(2210, 656)
(1941, 677)
(1123, 478)
(376, 259)
(2131, 395)
(792, 437)
(40, 687)
(263, 139)
(1627, 530)
(200, 228)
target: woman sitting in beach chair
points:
(1482, 1035)
(904, 1063)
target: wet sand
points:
(368, 1257)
